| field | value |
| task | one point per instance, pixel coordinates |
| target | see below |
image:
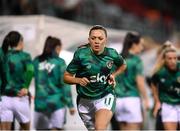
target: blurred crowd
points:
(158, 19)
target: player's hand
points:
(157, 106)
(23, 92)
(72, 111)
(83, 81)
(111, 80)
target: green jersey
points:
(96, 68)
(51, 91)
(126, 82)
(168, 84)
(19, 71)
(2, 75)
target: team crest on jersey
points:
(109, 64)
(178, 79)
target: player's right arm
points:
(155, 92)
(71, 79)
(72, 69)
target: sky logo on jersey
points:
(175, 89)
(99, 78)
(46, 66)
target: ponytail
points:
(11, 39)
(130, 39)
(5, 45)
(49, 47)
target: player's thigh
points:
(105, 105)
(21, 109)
(6, 113)
(103, 117)
(169, 113)
(132, 110)
(6, 117)
(86, 111)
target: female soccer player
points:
(158, 64)
(166, 89)
(19, 72)
(130, 86)
(1, 79)
(91, 71)
(52, 95)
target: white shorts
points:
(5, 115)
(0, 108)
(128, 109)
(87, 108)
(170, 113)
(15, 106)
(54, 120)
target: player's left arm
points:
(29, 72)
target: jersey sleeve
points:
(62, 70)
(29, 71)
(74, 64)
(68, 96)
(139, 68)
(154, 79)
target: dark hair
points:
(98, 27)
(130, 39)
(49, 47)
(11, 39)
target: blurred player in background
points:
(2, 79)
(52, 95)
(166, 88)
(130, 87)
(158, 64)
(19, 72)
